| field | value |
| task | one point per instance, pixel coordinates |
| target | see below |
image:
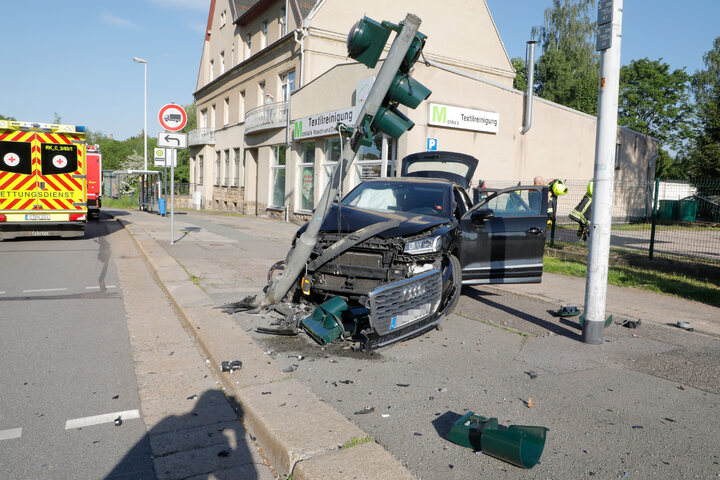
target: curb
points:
(299, 433)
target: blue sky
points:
(78, 61)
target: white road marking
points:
(98, 288)
(2, 292)
(10, 434)
(41, 290)
(98, 419)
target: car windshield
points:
(414, 198)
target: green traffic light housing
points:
(366, 41)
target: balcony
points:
(201, 136)
(266, 117)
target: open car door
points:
(503, 237)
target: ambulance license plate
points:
(37, 217)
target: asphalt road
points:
(66, 360)
(640, 406)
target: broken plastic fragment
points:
(192, 397)
(230, 366)
(118, 421)
(532, 375)
(224, 453)
(365, 411)
(289, 369)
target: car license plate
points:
(37, 217)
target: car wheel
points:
(454, 296)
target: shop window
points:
(306, 177)
(333, 152)
(277, 180)
(376, 160)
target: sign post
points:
(173, 119)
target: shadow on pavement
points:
(191, 445)
(547, 325)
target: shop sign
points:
(463, 118)
(324, 124)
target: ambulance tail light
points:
(74, 217)
(3, 218)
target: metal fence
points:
(676, 219)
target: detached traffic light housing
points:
(366, 41)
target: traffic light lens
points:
(366, 41)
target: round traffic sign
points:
(172, 117)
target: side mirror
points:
(479, 216)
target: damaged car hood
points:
(347, 219)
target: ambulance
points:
(43, 184)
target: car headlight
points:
(426, 245)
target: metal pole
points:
(654, 219)
(599, 251)
(305, 244)
(172, 195)
(145, 109)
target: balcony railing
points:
(201, 136)
(273, 115)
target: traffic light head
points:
(366, 41)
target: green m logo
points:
(298, 129)
(439, 114)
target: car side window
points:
(461, 203)
(515, 203)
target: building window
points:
(232, 55)
(217, 168)
(222, 62)
(212, 117)
(306, 177)
(226, 159)
(226, 112)
(204, 118)
(376, 160)
(201, 170)
(212, 70)
(287, 81)
(236, 163)
(241, 107)
(261, 93)
(283, 22)
(263, 36)
(248, 45)
(617, 155)
(277, 179)
(332, 156)
(223, 18)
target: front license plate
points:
(37, 217)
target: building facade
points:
(275, 81)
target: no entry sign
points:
(172, 117)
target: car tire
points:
(454, 296)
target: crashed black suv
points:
(402, 247)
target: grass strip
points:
(658, 282)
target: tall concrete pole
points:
(303, 247)
(599, 251)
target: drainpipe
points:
(530, 67)
(301, 41)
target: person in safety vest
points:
(581, 213)
(556, 188)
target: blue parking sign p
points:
(432, 144)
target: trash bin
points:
(667, 209)
(687, 209)
(161, 207)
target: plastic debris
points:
(365, 411)
(520, 445)
(192, 397)
(630, 323)
(568, 311)
(346, 382)
(230, 366)
(530, 403)
(685, 326)
(118, 421)
(402, 384)
(532, 375)
(223, 453)
(289, 369)
(115, 397)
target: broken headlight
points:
(425, 245)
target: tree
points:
(182, 172)
(655, 101)
(520, 80)
(567, 71)
(704, 154)
(3, 117)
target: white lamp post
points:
(144, 62)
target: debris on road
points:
(118, 421)
(529, 403)
(247, 303)
(519, 445)
(230, 366)
(365, 411)
(630, 323)
(568, 311)
(532, 375)
(192, 397)
(685, 326)
(289, 369)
